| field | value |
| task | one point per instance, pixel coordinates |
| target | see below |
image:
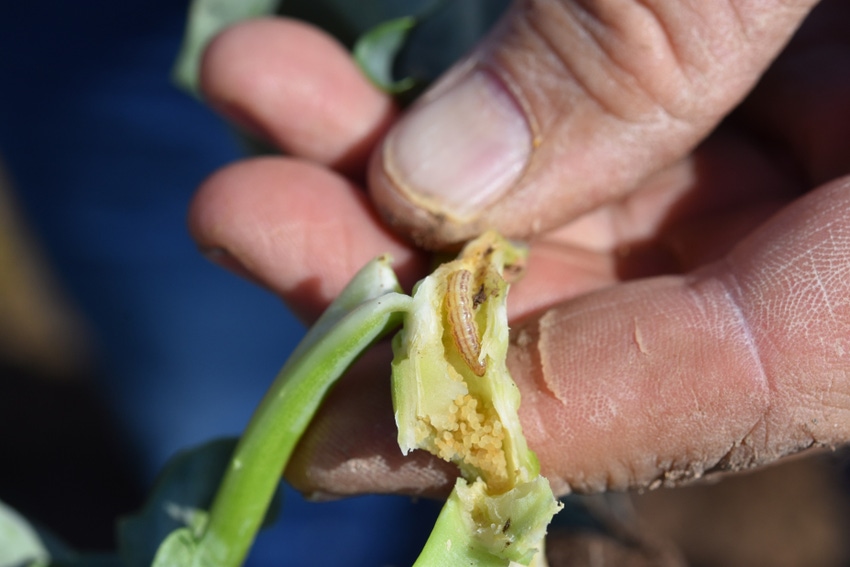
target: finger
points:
(667, 379)
(298, 88)
(689, 213)
(297, 229)
(567, 105)
(322, 470)
(664, 380)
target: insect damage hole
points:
(460, 307)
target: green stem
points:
(452, 543)
(282, 417)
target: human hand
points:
(686, 307)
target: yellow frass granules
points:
(476, 438)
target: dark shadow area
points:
(64, 463)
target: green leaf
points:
(376, 51)
(182, 494)
(206, 19)
(178, 549)
(20, 543)
(25, 545)
(408, 51)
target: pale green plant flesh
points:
(454, 397)
(19, 542)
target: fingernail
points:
(461, 151)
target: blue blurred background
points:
(103, 154)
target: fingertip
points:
(300, 230)
(297, 87)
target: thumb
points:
(569, 104)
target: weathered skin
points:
(653, 80)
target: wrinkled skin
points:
(686, 307)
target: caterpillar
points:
(460, 305)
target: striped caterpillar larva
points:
(461, 317)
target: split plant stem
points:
(452, 395)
